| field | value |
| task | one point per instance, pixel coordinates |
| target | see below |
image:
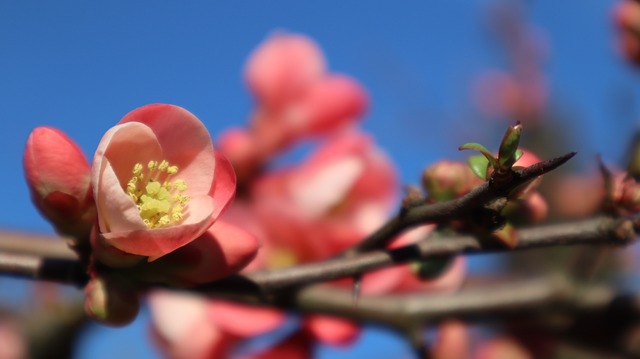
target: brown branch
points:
(437, 212)
(594, 315)
(597, 231)
(601, 230)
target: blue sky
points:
(80, 66)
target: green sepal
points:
(480, 148)
(479, 165)
(509, 146)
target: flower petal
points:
(332, 330)
(224, 185)
(282, 65)
(222, 250)
(245, 321)
(160, 241)
(185, 142)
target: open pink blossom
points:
(158, 183)
(58, 176)
(340, 194)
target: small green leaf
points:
(479, 165)
(519, 154)
(480, 148)
(509, 146)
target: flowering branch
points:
(428, 213)
(596, 231)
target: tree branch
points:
(436, 212)
(596, 231)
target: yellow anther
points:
(137, 169)
(159, 200)
(152, 188)
(180, 185)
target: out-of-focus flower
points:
(158, 183)
(625, 194)
(282, 66)
(452, 341)
(627, 19)
(498, 94)
(183, 328)
(12, 344)
(339, 194)
(446, 180)
(501, 348)
(110, 300)
(295, 98)
(58, 176)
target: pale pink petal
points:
(182, 330)
(185, 142)
(116, 210)
(160, 241)
(282, 65)
(243, 320)
(224, 186)
(119, 150)
(331, 330)
(315, 192)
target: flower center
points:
(160, 201)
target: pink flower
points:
(282, 66)
(58, 176)
(340, 194)
(183, 328)
(296, 97)
(158, 183)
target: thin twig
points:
(435, 212)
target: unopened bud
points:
(446, 180)
(111, 301)
(58, 176)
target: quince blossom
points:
(158, 183)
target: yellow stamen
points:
(159, 200)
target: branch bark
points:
(435, 212)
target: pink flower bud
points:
(283, 65)
(111, 301)
(446, 180)
(328, 104)
(58, 177)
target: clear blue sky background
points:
(79, 66)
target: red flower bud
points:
(58, 177)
